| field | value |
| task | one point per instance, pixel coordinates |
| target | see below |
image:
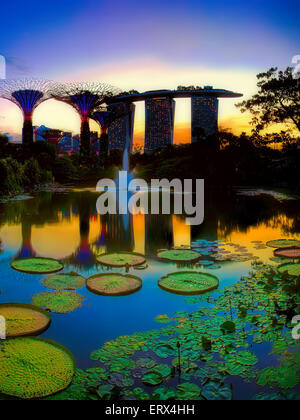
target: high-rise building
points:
(159, 130)
(204, 116)
(120, 132)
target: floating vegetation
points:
(64, 281)
(23, 320)
(283, 243)
(114, 284)
(292, 252)
(189, 283)
(37, 265)
(291, 269)
(205, 348)
(34, 368)
(122, 259)
(60, 302)
(179, 255)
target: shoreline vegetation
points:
(226, 162)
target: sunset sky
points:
(146, 45)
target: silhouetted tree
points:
(277, 100)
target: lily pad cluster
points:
(189, 282)
(114, 284)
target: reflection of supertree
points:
(85, 98)
(27, 94)
(105, 117)
(26, 250)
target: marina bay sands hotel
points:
(160, 113)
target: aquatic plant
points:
(121, 259)
(189, 282)
(60, 302)
(283, 243)
(291, 269)
(64, 281)
(214, 345)
(24, 320)
(179, 255)
(37, 265)
(113, 284)
(292, 252)
(34, 368)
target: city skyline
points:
(125, 51)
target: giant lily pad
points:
(23, 320)
(34, 368)
(292, 252)
(121, 259)
(179, 255)
(114, 284)
(189, 283)
(64, 281)
(292, 269)
(37, 265)
(283, 243)
(60, 302)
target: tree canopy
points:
(277, 100)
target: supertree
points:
(105, 117)
(85, 97)
(27, 94)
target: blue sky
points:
(143, 44)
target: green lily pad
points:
(179, 255)
(282, 376)
(34, 368)
(37, 265)
(60, 302)
(23, 320)
(152, 378)
(121, 259)
(64, 281)
(217, 391)
(114, 284)
(188, 391)
(164, 370)
(292, 269)
(283, 243)
(189, 283)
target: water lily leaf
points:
(283, 243)
(64, 281)
(114, 284)
(26, 371)
(188, 391)
(179, 255)
(291, 269)
(189, 283)
(152, 378)
(164, 394)
(217, 391)
(121, 259)
(37, 265)
(228, 327)
(24, 320)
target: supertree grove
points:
(27, 94)
(85, 97)
(105, 117)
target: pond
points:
(67, 227)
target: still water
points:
(66, 226)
